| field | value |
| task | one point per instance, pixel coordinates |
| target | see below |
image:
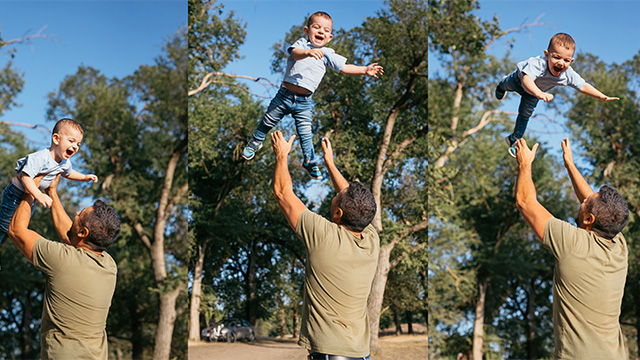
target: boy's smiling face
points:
(66, 143)
(558, 59)
(319, 31)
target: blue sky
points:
(115, 37)
(607, 29)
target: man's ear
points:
(83, 233)
(588, 220)
(338, 215)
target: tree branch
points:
(38, 127)
(24, 38)
(206, 81)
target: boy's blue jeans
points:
(299, 107)
(528, 102)
(11, 197)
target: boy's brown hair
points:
(64, 123)
(562, 39)
(320, 14)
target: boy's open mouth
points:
(319, 38)
(557, 69)
(70, 152)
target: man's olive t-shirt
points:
(337, 281)
(588, 285)
(79, 288)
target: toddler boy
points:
(65, 142)
(306, 65)
(535, 76)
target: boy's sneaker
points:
(510, 142)
(313, 170)
(250, 150)
(500, 93)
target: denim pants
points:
(11, 197)
(528, 102)
(299, 107)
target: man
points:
(81, 276)
(342, 255)
(590, 262)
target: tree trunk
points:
(137, 335)
(295, 322)
(531, 314)
(409, 316)
(478, 324)
(196, 289)
(396, 320)
(250, 287)
(282, 320)
(25, 339)
(374, 303)
(166, 322)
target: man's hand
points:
(374, 70)
(328, 150)
(315, 53)
(52, 190)
(525, 155)
(281, 147)
(546, 97)
(566, 153)
(91, 177)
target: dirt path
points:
(403, 347)
(262, 349)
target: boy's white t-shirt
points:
(308, 72)
(536, 68)
(41, 162)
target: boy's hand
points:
(608, 98)
(328, 150)
(43, 199)
(315, 53)
(91, 177)
(546, 97)
(374, 70)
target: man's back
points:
(338, 275)
(588, 284)
(80, 286)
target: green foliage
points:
(134, 127)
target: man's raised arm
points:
(533, 212)
(61, 221)
(339, 182)
(580, 185)
(289, 203)
(19, 228)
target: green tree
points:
(136, 140)
(609, 132)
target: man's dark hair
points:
(358, 207)
(610, 210)
(103, 225)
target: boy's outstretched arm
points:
(81, 177)
(371, 70)
(30, 187)
(588, 89)
(533, 89)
